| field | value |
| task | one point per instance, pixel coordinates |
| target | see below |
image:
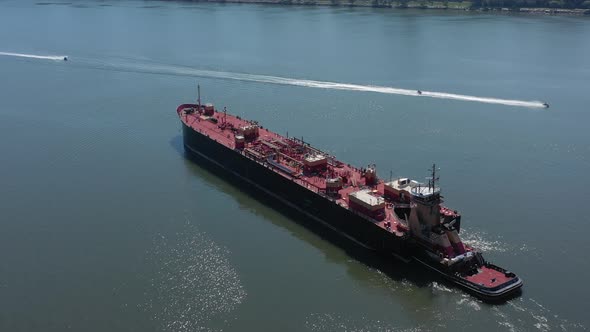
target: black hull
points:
(290, 194)
(322, 212)
(500, 293)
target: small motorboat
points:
(545, 105)
(419, 92)
(65, 58)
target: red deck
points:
(224, 130)
(488, 277)
(314, 170)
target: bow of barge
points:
(402, 218)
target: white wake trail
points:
(187, 71)
(35, 56)
(162, 69)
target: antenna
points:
(199, 96)
(434, 178)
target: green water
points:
(105, 226)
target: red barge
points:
(402, 218)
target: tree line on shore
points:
(444, 4)
(474, 4)
(531, 4)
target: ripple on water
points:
(528, 315)
(487, 243)
(440, 288)
(194, 285)
(520, 314)
(335, 322)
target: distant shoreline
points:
(438, 5)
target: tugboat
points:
(435, 232)
(400, 219)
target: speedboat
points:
(546, 105)
(65, 58)
(419, 92)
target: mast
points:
(434, 178)
(199, 96)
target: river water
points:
(105, 226)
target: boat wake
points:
(440, 307)
(35, 56)
(187, 71)
(488, 243)
(145, 66)
(520, 314)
